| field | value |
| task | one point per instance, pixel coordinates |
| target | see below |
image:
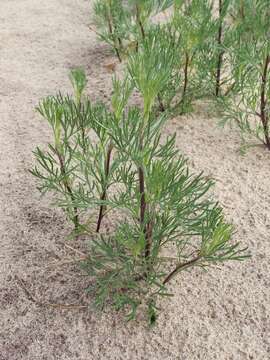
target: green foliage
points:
(193, 22)
(124, 24)
(115, 163)
(112, 19)
(105, 163)
(214, 58)
(178, 220)
(70, 164)
(152, 67)
(249, 105)
(197, 41)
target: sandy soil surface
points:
(220, 315)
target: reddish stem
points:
(104, 194)
(185, 76)
(263, 113)
(68, 188)
(220, 56)
(180, 266)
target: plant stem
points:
(181, 266)
(147, 228)
(221, 52)
(82, 124)
(185, 77)
(111, 31)
(142, 194)
(139, 21)
(263, 105)
(68, 188)
(148, 237)
(229, 89)
(104, 193)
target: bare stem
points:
(181, 266)
(104, 193)
(263, 105)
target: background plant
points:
(158, 58)
(249, 106)
(124, 24)
(201, 42)
(215, 68)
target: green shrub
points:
(162, 219)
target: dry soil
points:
(220, 315)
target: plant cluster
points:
(217, 49)
(193, 35)
(249, 107)
(123, 24)
(113, 164)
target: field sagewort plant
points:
(115, 163)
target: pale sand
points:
(220, 315)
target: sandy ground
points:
(220, 315)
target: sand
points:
(223, 314)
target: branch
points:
(263, 115)
(185, 76)
(181, 266)
(111, 31)
(103, 196)
(220, 56)
(139, 21)
(68, 187)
